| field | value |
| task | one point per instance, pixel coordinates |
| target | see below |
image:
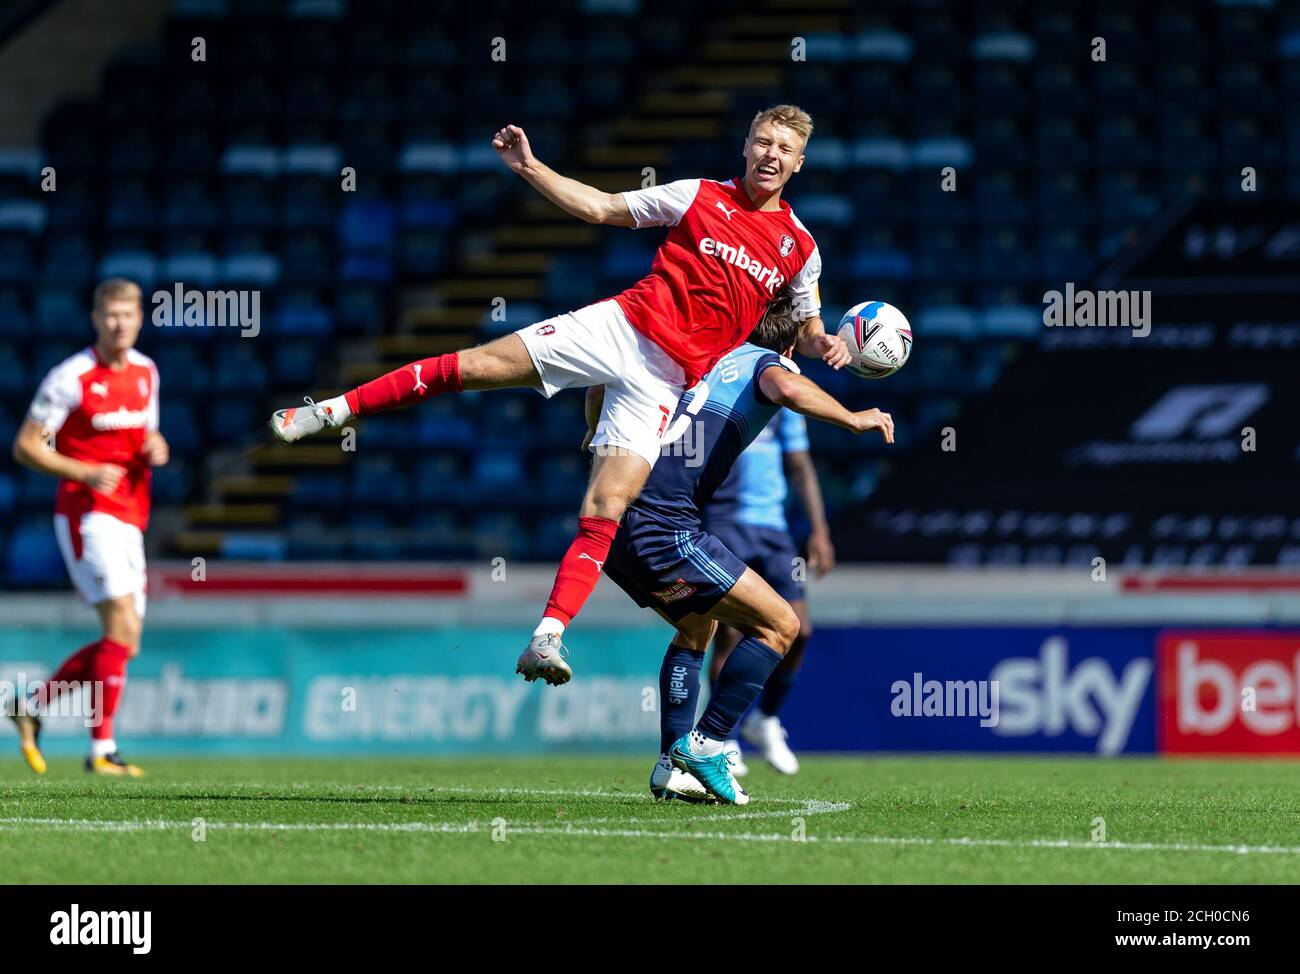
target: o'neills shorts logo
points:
(675, 592)
(120, 419)
(737, 257)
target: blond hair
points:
(791, 116)
(117, 289)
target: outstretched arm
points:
(805, 396)
(577, 199)
(802, 475)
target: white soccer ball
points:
(879, 337)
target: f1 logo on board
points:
(1203, 411)
(1229, 692)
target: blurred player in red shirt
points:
(94, 425)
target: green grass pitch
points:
(577, 820)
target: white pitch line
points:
(809, 806)
(575, 831)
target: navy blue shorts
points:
(674, 570)
(769, 551)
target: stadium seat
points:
(32, 557)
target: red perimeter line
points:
(1213, 583)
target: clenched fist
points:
(512, 146)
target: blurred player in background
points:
(665, 559)
(94, 425)
(747, 514)
(730, 248)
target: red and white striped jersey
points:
(721, 263)
(102, 415)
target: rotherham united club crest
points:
(787, 245)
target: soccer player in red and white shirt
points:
(94, 425)
(731, 248)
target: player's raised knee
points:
(782, 629)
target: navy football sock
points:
(776, 689)
(739, 684)
(679, 694)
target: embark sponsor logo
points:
(120, 419)
(208, 309)
(737, 257)
(133, 928)
(1098, 309)
(947, 698)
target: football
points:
(879, 337)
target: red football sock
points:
(108, 668)
(580, 569)
(408, 385)
(70, 673)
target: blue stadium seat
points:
(15, 317)
(367, 225)
(320, 490)
(17, 260)
(171, 483)
(444, 427)
(301, 316)
(15, 381)
(294, 364)
(180, 426)
(240, 369)
(60, 313)
(8, 495)
(360, 309)
(377, 482)
(387, 431)
(440, 480)
(237, 419)
(32, 557)
(366, 269)
(498, 471)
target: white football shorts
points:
(597, 345)
(105, 557)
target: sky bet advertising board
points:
(1087, 690)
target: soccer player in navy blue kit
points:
(747, 514)
(665, 560)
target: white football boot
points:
(738, 766)
(544, 658)
(767, 734)
(668, 783)
(291, 425)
